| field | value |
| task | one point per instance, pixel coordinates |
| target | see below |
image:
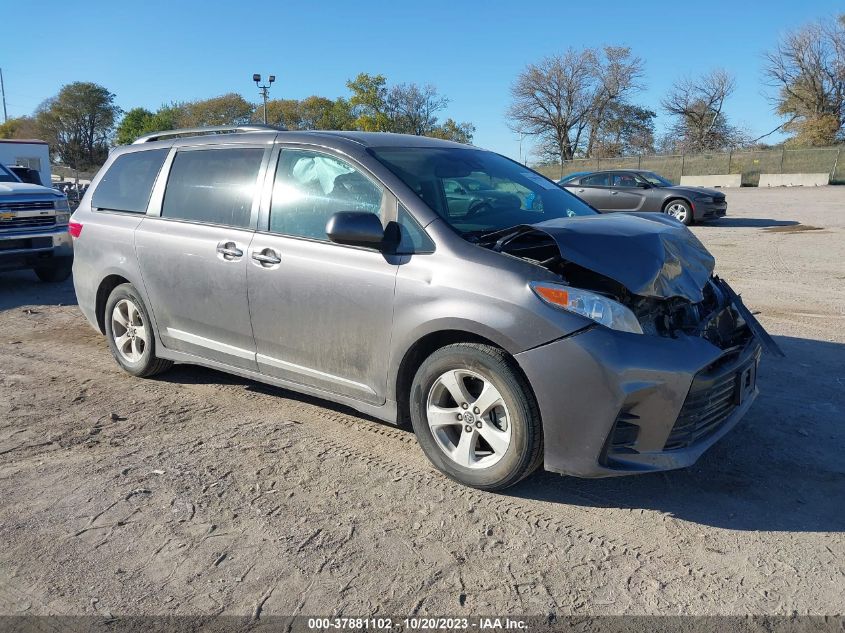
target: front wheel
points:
(679, 210)
(130, 334)
(475, 416)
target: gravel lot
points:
(201, 493)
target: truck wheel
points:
(55, 271)
(475, 416)
(130, 334)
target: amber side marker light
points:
(553, 295)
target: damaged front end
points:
(655, 400)
(649, 263)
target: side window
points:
(311, 187)
(412, 237)
(624, 180)
(127, 184)
(596, 180)
(214, 186)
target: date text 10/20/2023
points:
(423, 623)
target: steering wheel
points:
(477, 208)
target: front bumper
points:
(614, 403)
(25, 249)
(709, 211)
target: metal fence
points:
(748, 163)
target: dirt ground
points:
(202, 493)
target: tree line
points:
(83, 121)
(578, 104)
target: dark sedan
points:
(638, 190)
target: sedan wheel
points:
(679, 210)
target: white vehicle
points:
(33, 154)
(34, 228)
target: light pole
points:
(265, 90)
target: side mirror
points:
(643, 185)
(355, 228)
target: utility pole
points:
(264, 90)
(3, 91)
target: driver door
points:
(625, 193)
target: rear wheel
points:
(679, 210)
(55, 271)
(475, 416)
(130, 334)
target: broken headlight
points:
(600, 309)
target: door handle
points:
(229, 250)
(267, 257)
(580, 191)
(613, 193)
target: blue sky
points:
(153, 52)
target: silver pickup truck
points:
(34, 229)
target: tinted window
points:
(495, 192)
(127, 185)
(213, 186)
(6, 175)
(412, 237)
(596, 180)
(310, 187)
(624, 180)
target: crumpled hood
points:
(650, 254)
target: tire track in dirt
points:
(378, 445)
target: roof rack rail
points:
(217, 129)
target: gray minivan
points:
(419, 280)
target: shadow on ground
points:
(22, 288)
(758, 223)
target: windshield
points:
(479, 192)
(654, 179)
(6, 175)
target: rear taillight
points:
(75, 229)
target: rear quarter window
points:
(128, 183)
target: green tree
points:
(19, 127)
(283, 112)
(78, 124)
(228, 109)
(454, 131)
(139, 121)
(369, 102)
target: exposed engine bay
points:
(651, 264)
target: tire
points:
(508, 416)
(130, 334)
(680, 210)
(56, 271)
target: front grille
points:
(26, 205)
(34, 222)
(709, 403)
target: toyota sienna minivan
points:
(419, 280)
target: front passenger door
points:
(595, 190)
(322, 313)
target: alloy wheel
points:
(468, 418)
(129, 331)
(678, 211)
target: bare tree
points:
(413, 108)
(563, 100)
(698, 107)
(808, 70)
